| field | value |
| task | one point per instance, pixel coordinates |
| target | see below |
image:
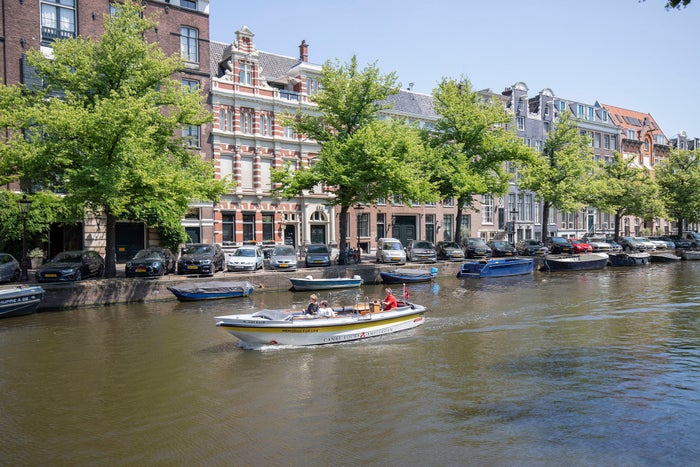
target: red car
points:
(580, 246)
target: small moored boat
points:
(690, 255)
(406, 276)
(663, 257)
(496, 267)
(283, 327)
(20, 300)
(309, 283)
(586, 261)
(629, 259)
(211, 290)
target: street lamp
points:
(513, 213)
(358, 209)
(24, 205)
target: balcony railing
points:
(289, 95)
(51, 34)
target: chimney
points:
(304, 51)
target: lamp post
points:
(358, 209)
(24, 205)
(511, 234)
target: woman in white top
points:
(325, 310)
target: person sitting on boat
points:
(389, 302)
(312, 309)
(325, 310)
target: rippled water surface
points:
(590, 368)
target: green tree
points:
(361, 157)
(623, 189)
(561, 174)
(472, 142)
(109, 142)
(678, 177)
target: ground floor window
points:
(228, 227)
(268, 225)
(447, 223)
(249, 226)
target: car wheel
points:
(78, 276)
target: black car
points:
(679, 242)
(531, 247)
(201, 258)
(500, 248)
(151, 262)
(558, 245)
(71, 266)
(477, 248)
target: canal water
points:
(588, 368)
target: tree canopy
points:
(361, 157)
(110, 143)
(472, 143)
(678, 177)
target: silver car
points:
(9, 268)
(421, 251)
(283, 257)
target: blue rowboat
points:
(496, 267)
(20, 300)
(211, 290)
(309, 283)
(407, 276)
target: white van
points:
(390, 250)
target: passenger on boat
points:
(325, 310)
(312, 309)
(389, 302)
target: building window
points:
(247, 121)
(363, 228)
(228, 227)
(248, 226)
(605, 115)
(486, 210)
(579, 110)
(192, 134)
(547, 127)
(596, 140)
(245, 74)
(288, 132)
(265, 125)
(188, 4)
(590, 113)
(447, 227)
(312, 86)
(190, 85)
(57, 19)
(430, 227)
(192, 214)
(268, 226)
(630, 134)
(521, 123)
(660, 139)
(396, 200)
(189, 46)
(606, 141)
(613, 143)
(562, 106)
(381, 225)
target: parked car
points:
(693, 238)
(450, 251)
(151, 262)
(682, 243)
(614, 246)
(201, 258)
(580, 246)
(501, 248)
(531, 247)
(651, 246)
(246, 258)
(283, 257)
(558, 245)
(667, 243)
(631, 244)
(71, 266)
(477, 248)
(267, 247)
(9, 268)
(421, 251)
(390, 250)
(599, 244)
(318, 254)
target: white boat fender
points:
(356, 277)
(310, 278)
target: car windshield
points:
(68, 257)
(560, 240)
(392, 246)
(197, 250)
(450, 245)
(246, 252)
(284, 251)
(532, 242)
(422, 245)
(318, 249)
(500, 244)
(147, 254)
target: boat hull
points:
(19, 301)
(587, 261)
(303, 330)
(500, 267)
(406, 276)
(690, 255)
(215, 290)
(300, 284)
(629, 259)
(664, 257)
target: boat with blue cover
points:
(211, 290)
(406, 275)
(496, 267)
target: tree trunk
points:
(458, 221)
(111, 250)
(545, 219)
(618, 219)
(343, 224)
(679, 222)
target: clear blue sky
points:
(619, 52)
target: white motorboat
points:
(283, 327)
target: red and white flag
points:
(405, 292)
